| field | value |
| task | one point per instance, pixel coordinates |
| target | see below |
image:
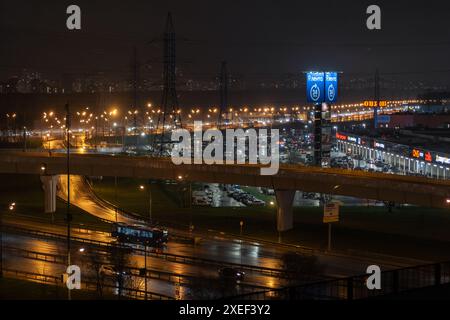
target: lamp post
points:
(273, 204)
(187, 189)
(68, 215)
(329, 223)
(142, 188)
(115, 195)
(1, 244)
(145, 270)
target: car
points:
(259, 202)
(200, 201)
(231, 273)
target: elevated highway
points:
(377, 186)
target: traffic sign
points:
(331, 212)
(331, 87)
(315, 87)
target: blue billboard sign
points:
(315, 87)
(331, 87)
(384, 118)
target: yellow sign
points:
(331, 212)
(374, 103)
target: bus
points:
(149, 236)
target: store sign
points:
(331, 87)
(373, 103)
(321, 87)
(378, 145)
(416, 153)
(315, 82)
(341, 136)
(352, 139)
(443, 160)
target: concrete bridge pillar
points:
(285, 200)
(49, 183)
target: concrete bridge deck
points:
(377, 186)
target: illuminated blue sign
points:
(331, 87)
(315, 87)
(384, 118)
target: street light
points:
(329, 224)
(273, 204)
(241, 224)
(142, 188)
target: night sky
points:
(256, 37)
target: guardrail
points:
(36, 277)
(35, 255)
(162, 255)
(136, 272)
(87, 284)
(352, 288)
(83, 227)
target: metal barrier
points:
(352, 288)
(36, 277)
(162, 255)
(136, 272)
(34, 255)
(87, 284)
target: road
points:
(219, 250)
(82, 197)
(222, 250)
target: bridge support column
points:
(49, 183)
(285, 200)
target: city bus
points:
(149, 236)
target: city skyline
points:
(273, 40)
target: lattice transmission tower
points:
(170, 117)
